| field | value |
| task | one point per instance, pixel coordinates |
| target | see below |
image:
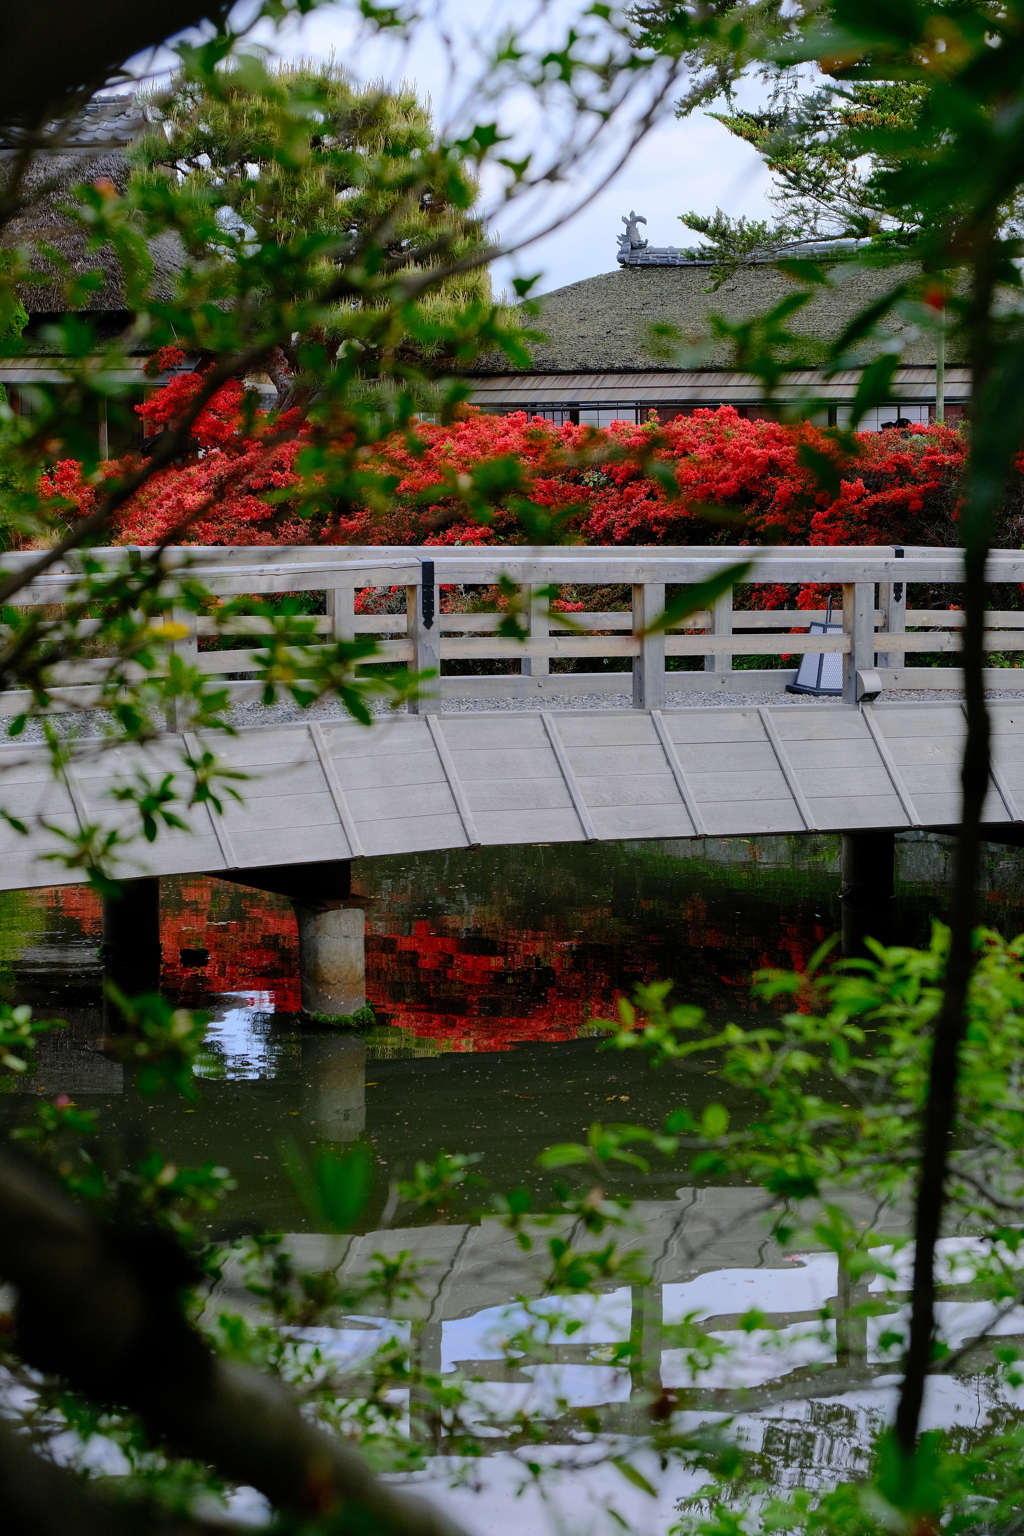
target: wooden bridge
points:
(327, 789)
(336, 790)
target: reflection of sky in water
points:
(603, 1319)
(239, 1036)
(346, 1347)
(956, 1260)
(809, 1443)
(764, 1353)
(754, 1358)
(804, 1287)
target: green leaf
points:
(804, 271)
(714, 1122)
(632, 1475)
(874, 387)
(333, 1185)
(563, 1154)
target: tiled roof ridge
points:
(106, 122)
(675, 256)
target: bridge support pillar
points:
(334, 1091)
(130, 949)
(332, 959)
(868, 888)
(332, 933)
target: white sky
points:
(694, 164)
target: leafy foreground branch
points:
(821, 1108)
(104, 1311)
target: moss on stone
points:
(363, 1015)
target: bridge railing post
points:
(540, 629)
(179, 710)
(892, 599)
(425, 634)
(341, 610)
(721, 624)
(649, 666)
(859, 624)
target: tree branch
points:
(38, 1498)
(102, 1309)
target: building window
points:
(873, 420)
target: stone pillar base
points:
(332, 960)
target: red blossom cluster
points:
(704, 478)
(731, 480)
(164, 360)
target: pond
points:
(483, 970)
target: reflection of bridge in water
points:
(808, 1388)
(706, 1254)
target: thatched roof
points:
(599, 324)
(90, 148)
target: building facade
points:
(637, 339)
(641, 338)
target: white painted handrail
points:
(879, 631)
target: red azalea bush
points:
(710, 477)
(897, 487)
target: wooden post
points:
(426, 642)
(540, 628)
(179, 711)
(859, 624)
(721, 624)
(893, 602)
(649, 666)
(646, 1336)
(341, 612)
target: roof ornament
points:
(630, 239)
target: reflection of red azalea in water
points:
(250, 936)
(465, 990)
(462, 980)
(487, 994)
(74, 907)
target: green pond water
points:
(483, 970)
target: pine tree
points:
(306, 160)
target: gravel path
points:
(253, 714)
(96, 722)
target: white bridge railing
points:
(879, 631)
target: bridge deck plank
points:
(755, 816)
(903, 721)
(721, 787)
(850, 754)
(821, 723)
(605, 729)
(518, 795)
(711, 726)
(623, 789)
(540, 826)
(641, 821)
(516, 788)
(835, 782)
(846, 813)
